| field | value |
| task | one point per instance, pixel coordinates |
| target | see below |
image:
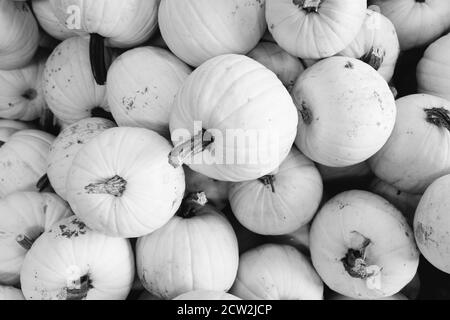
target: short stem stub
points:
(24, 241)
(374, 57)
(197, 144)
(191, 203)
(115, 186)
(308, 5)
(78, 288)
(30, 94)
(439, 117)
(268, 181)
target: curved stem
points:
(191, 203)
(439, 117)
(43, 183)
(115, 186)
(197, 144)
(374, 57)
(24, 241)
(268, 180)
(97, 58)
(78, 288)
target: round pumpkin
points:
(232, 120)
(281, 202)
(416, 153)
(141, 87)
(65, 147)
(362, 246)
(376, 44)
(73, 262)
(19, 36)
(23, 160)
(346, 111)
(198, 30)
(314, 29)
(206, 295)
(285, 66)
(121, 183)
(196, 250)
(21, 96)
(24, 216)
(10, 293)
(276, 272)
(433, 70)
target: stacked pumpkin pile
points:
(111, 135)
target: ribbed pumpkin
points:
(314, 29)
(433, 70)
(141, 86)
(362, 246)
(276, 272)
(65, 147)
(198, 30)
(10, 293)
(9, 127)
(281, 202)
(21, 96)
(206, 295)
(121, 183)
(196, 250)
(72, 262)
(19, 36)
(24, 216)
(238, 115)
(416, 154)
(23, 160)
(346, 112)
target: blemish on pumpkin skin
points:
(349, 65)
(423, 234)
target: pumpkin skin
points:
(65, 147)
(416, 153)
(104, 265)
(362, 246)
(9, 127)
(234, 96)
(28, 214)
(417, 22)
(195, 250)
(346, 112)
(314, 29)
(285, 66)
(376, 44)
(206, 295)
(23, 161)
(121, 183)
(21, 94)
(19, 38)
(276, 272)
(433, 70)
(141, 86)
(10, 293)
(198, 30)
(282, 202)
(69, 86)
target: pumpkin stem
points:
(78, 288)
(374, 57)
(191, 203)
(30, 94)
(308, 5)
(43, 183)
(97, 58)
(439, 117)
(268, 180)
(306, 113)
(24, 241)
(197, 144)
(115, 186)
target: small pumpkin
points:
(24, 216)
(23, 160)
(73, 262)
(346, 112)
(196, 250)
(206, 295)
(65, 147)
(276, 272)
(198, 30)
(282, 202)
(314, 29)
(362, 246)
(10, 293)
(232, 97)
(121, 183)
(141, 86)
(416, 153)
(19, 36)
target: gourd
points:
(10, 293)
(206, 295)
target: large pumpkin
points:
(198, 30)
(433, 70)
(281, 202)
(121, 183)
(10, 293)
(65, 147)
(362, 246)
(314, 29)
(416, 153)
(196, 250)
(19, 36)
(346, 112)
(73, 262)
(237, 116)
(24, 216)
(141, 87)
(206, 295)
(23, 160)
(276, 272)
